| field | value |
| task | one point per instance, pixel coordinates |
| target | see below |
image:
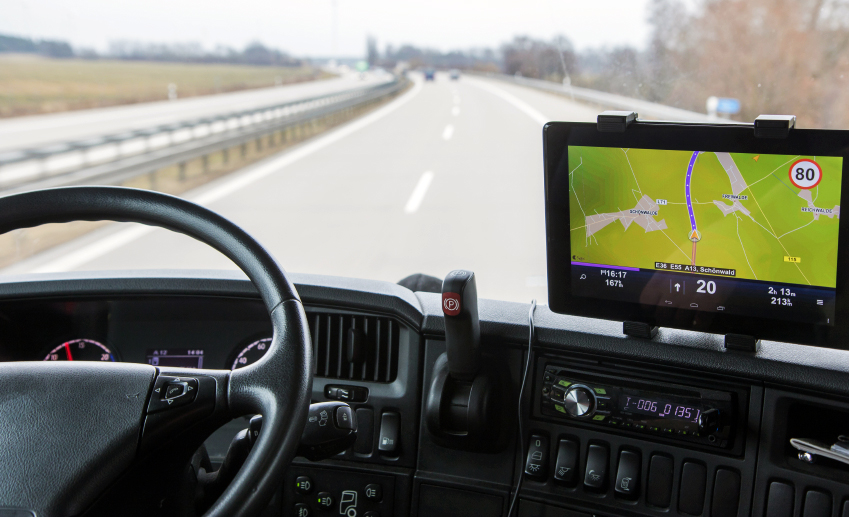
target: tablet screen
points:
(744, 234)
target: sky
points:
(305, 28)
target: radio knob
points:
(578, 401)
(709, 421)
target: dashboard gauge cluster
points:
(80, 350)
(251, 353)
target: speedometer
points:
(251, 353)
(80, 350)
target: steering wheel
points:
(68, 430)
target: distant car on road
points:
(454, 74)
(430, 74)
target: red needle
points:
(68, 352)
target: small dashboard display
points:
(176, 357)
(736, 233)
(660, 408)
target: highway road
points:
(448, 175)
(41, 130)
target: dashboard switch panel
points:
(595, 477)
(536, 463)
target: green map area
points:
(629, 207)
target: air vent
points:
(357, 348)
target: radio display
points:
(660, 408)
(735, 233)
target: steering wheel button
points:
(175, 390)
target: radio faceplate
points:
(680, 413)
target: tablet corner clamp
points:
(616, 121)
(774, 126)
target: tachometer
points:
(80, 350)
(251, 353)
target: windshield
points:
(372, 139)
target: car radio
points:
(678, 412)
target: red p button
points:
(451, 304)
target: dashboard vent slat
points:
(330, 334)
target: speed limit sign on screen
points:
(805, 173)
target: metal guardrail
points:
(645, 108)
(117, 157)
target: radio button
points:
(602, 403)
(628, 475)
(595, 477)
(578, 401)
(566, 466)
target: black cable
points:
(521, 398)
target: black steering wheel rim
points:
(278, 386)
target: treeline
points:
(42, 47)
(253, 54)
(775, 56)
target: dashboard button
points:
(566, 465)
(659, 482)
(303, 484)
(628, 475)
(325, 500)
(817, 504)
(390, 427)
(779, 500)
(691, 496)
(302, 510)
(595, 477)
(726, 493)
(374, 492)
(536, 463)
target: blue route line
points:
(687, 189)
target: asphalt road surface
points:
(41, 130)
(448, 175)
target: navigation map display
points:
(744, 234)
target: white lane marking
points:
(419, 192)
(94, 250)
(455, 111)
(523, 106)
(107, 244)
(448, 132)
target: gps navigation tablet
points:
(702, 227)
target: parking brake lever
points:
(462, 324)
